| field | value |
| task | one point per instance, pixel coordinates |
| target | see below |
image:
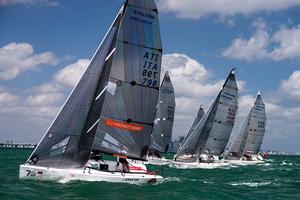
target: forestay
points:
(67, 143)
(128, 113)
(163, 123)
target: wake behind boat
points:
(206, 142)
(245, 148)
(111, 109)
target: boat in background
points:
(246, 146)
(163, 124)
(199, 116)
(111, 109)
(208, 139)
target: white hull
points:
(244, 162)
(197, 165)
(157, 161)
(84, 174)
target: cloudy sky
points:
(45, 46)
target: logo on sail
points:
(123, 125)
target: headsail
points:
(196, 121)
(236, 149)
(212, 132)
(68, 141)
(128, 112)
(163, 123)
(256, 127)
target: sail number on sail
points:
(150, 69)
(231, 115)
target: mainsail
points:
(128, 113)
(163, 123)
(212, 132)
(256, 126)
(120, 86)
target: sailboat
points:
(163, 123)
(111, 109)
(208, 139)
(245, 148)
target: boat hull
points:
(157, 161)
(244, 162)
(84, 174)
(197, 165)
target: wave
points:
(250, 184)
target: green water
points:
(279, 178)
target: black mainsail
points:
(163, 123)
(128, 113)
(115, 98)
(212, 132)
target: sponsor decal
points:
(123, 125)
(131, 179)
(136, 168)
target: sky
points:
(45, 45)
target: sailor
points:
(96, 155)
(125, 165)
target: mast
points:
(163, 123)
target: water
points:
(279, 178)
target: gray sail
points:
(163, 123)
(196, 121)
(68, 141)
(224, 118)
(128, 113)
(212, 132)
(236, 149)
(256, 127)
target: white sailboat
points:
(208, 139)
(111, 109)
(163, 124)
(245, 148)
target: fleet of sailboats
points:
(119, 108)
(208, 139)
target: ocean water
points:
(279, 178)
